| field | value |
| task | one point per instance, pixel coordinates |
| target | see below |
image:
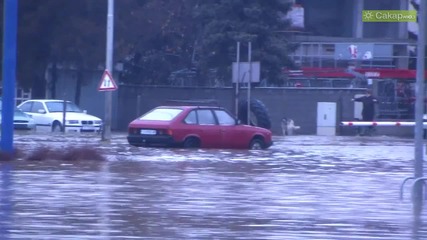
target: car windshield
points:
(161, 114)
(59, 107)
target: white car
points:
(49, 114)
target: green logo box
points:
(389, 16)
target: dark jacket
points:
(368, 112)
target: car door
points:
(39, 114)
(208, 129)
(231, 136)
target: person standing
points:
(368, 111)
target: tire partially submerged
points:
(258, 111)
(257, 144)
(191, 142)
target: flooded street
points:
(304, 187)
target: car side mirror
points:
(41, 111)
(238, 122)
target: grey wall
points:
(297, 104)
(335, 18)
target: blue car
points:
(21, 120)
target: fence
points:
(21, 95)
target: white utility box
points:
(326, 118)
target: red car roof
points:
(187, 107)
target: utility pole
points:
(106, 131)
(10, 26)
(419, 108)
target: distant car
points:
(48, 113)
(21, 121)
(195, 127)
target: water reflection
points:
(103, 203)
(302, 188)
(5, 199)
(416, 227)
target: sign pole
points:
(249, 81)
(64, 116)
(106, 130)
(236, 100)
(10, 26)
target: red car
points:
(195, 127)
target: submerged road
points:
(304, 187)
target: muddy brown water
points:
(304, 187)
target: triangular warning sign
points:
(107, 82)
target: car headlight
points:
(98, 122)
(72, 121)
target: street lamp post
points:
(106, 132)
(419, 107)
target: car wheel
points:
(256, 144)
(56, 127)
(191, 142)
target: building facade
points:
(336, 47)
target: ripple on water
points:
(304, 187)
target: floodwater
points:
(304, 187)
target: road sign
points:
(243, 75)
(107, 82)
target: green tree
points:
(79, 38)
(160, 40)
(33, 44)
(150, 35)
(70, 33)
(221, 23)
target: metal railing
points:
(413, 184)
(323, 54)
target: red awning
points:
(379, 73)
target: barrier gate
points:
(394, 88)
